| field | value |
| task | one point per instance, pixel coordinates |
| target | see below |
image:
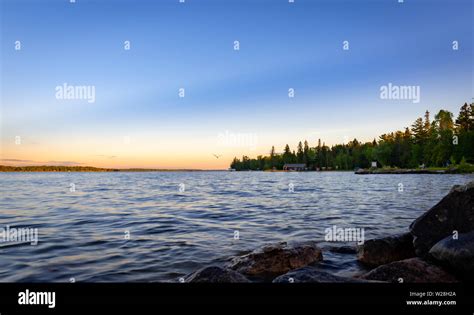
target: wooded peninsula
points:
(436, 144)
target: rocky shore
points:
(439, 247)
(363, 171)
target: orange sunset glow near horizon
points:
(192, 89)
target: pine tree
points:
(418, 130)
(300, 153)
(427, 124)
(407, 134)
(444, 120)
(287, 156)
(465, 120)
(324, 155)
(318, 154)
(306, 153)
(272, 157)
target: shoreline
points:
(409, 171)
(91, 169)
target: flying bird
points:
(217, 156)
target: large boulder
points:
(274, 260)
(216, 274)
(382, 251)
(456, 254)
(455, 212)
(412, 270)
(312, 275)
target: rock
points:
(277, 259)
(412, 270)
(454, 212)
(215, 274)
(309, 274)
(343, 249)
(456, 254)
(382, 251)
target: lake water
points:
(82, 233)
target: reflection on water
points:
(173, 231)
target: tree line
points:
(438, 142)
(53, 168)
(59, 168)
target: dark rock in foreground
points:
(454, 212)
(430, 238)
(275, 260)
(382, 251)
(312, 275)
(215, 274)
(456, 254)
(413, 270)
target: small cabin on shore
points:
(294, 167)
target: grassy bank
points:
(464, 168)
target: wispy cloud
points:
(106, 156)
(16, 160)
(32, 162)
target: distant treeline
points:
(49, 168)
(433, 143)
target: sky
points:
(236, 101)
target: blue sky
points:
(190, 45)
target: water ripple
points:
(82, 234)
